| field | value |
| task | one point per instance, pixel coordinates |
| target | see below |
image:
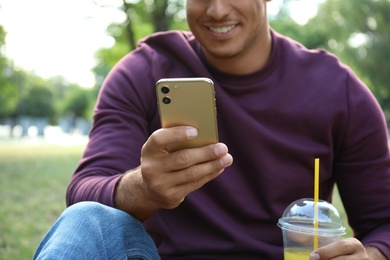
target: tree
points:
(357, 32)
(359, 35)
(77, 102)
(160, 14)
(8, 91)
(8, 99)
(37, 101)
(3, 59)
(143, 18)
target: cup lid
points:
(299, 217)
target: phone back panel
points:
(188, 101)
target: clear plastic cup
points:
(299, 231)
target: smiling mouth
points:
(224, 29)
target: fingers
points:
(185, 158)
(205, 167)
(169, 177)
(154, 150)
(185, 171)
(161, 138)
(349, 248)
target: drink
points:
(297, 253)
(304, 230)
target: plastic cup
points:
(299, 232)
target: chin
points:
(223, 52)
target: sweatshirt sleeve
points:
(124, 111)
(362, 168)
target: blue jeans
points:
(89, 230)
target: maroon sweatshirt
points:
(303, 105)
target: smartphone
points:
(188, 102)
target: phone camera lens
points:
(165, 90)
(166, 100)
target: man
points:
(279, 107)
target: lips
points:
(222, 29)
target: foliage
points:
(12, 83)
(76, 102)
(38, 101)
(25, 94)
(160, 15)
(8, 93)
(149, 16)
(356, 32)
(3, 59)
(8, 99)
(360, 36)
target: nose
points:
(218, 9)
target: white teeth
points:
(224, 29)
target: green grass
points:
(33, 181)
(339, 205)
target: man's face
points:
(228, 28)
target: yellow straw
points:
(316, 195)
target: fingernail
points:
(226, 160)
(220, 149)
(192, 132)
(314, 256)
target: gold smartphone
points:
(188, 102)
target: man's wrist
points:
(129, 196)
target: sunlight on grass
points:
(32, 194)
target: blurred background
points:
(54, 56)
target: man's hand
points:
(349, 248)
(164, 179)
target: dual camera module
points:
(165, 90)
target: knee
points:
(85, 207)
(88, 211)
(96, 214)
(89, 227)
